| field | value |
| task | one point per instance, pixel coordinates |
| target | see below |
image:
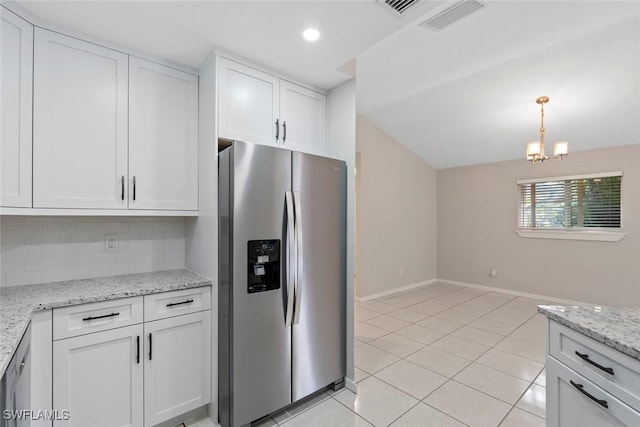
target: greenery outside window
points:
(576, 207)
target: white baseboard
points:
(395, 291)
(350, 384)
(511, 292)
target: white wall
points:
(46, 249)
(477, 219)
(396, 216)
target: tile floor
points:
(441, 355)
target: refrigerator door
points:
(255, 342)
(318, 357)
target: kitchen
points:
(133, 202)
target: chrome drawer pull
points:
(585, 357)
(580, 388)
(189, 301)
(100, 317)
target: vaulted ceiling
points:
(462, 95)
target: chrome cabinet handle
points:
(284, 131)
(299, 257)
(122, 188)
(291, 261)
(277, 129)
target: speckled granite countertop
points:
(619, 328)
(18, 302)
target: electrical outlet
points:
(401, 272)
(493, 272)
(110, 242)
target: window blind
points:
(566, 203)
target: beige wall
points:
(477, 219)
(395, 215)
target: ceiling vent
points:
(452, 14)
(400, 6)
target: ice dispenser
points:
(263, 265)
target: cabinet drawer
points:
(573, 400)
(95, 317)
(169, 304)
(593, 359)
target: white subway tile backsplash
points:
(45, 249)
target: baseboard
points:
(395, 291)
(511, 292)
(350, 384)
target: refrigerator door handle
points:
(290, 258)
(299, 258)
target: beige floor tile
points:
(431, 307)
(519, 418)
(461, 347)
(457, 316)
(405, 300)
(397, 345)
(534, 400)
(371, 359)
(380, 307)
(495, 383)
(360, 374)
(377, 402)
(388, 323)
(511, 315)
(493, 326)
(420, 334)
(423, 415)
(468, 405)
(537, 323)
(325, 414)
(541, 380)
(511, 364)
(362, 314)
(529, 335)
(366, 332)
(472, 308)
(438, 361)
(526, 349)
(411, 378)
(442, 325)
(408, 315)
(478, 336)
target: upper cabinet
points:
(16, 59)
(80, 124)
(163, 137)
(258, 107)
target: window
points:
(577, 203)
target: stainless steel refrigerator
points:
(282, 279)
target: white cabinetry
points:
(99, 378)
(80, 124)
(589, 383)
(258, 107)
(112, 369)
(163, 137)
(16, 61)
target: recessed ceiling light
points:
(311, 34)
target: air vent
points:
(400, 6)
(453, 14)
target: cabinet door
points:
(572, 400)
(248, 104)
(177, 366)
(303, 113)
(163, 137)
(16, 67)
(80, 124)
(99, 378)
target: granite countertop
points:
(618, 328)
(17, 303)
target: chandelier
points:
(535, 149)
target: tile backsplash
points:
(47, 249)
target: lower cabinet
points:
(98, 378)
(136, 375)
